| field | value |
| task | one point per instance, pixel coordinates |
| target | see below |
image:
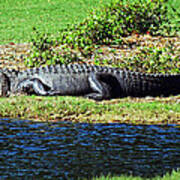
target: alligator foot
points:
(101, 89)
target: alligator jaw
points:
(4, 85)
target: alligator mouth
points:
(4, 85)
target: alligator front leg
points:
(33, 86)
(101, 88)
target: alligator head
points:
(4, 85)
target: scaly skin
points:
(95, 82)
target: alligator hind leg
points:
(33, 86)
(101, 89)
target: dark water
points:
(70, 151)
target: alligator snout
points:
(4, 85)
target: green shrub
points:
(105, 26)
(43, 51)
(152, 60)
(120, 18)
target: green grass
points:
(78, 109)
(174, 176)
(18, 17)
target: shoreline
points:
(78, 109)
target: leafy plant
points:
(153, 60)
(44, 52)
(41, 52)
(105, 26)
(118, 19)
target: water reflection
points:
(72, 151)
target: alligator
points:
(91, 81)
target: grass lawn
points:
(78, 109)
(18, 17)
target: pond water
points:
(30, 150)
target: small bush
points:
(43, 52)
(105, 26)
(152, 60)
(120, 18)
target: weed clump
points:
(117, 20)
(152, 60)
